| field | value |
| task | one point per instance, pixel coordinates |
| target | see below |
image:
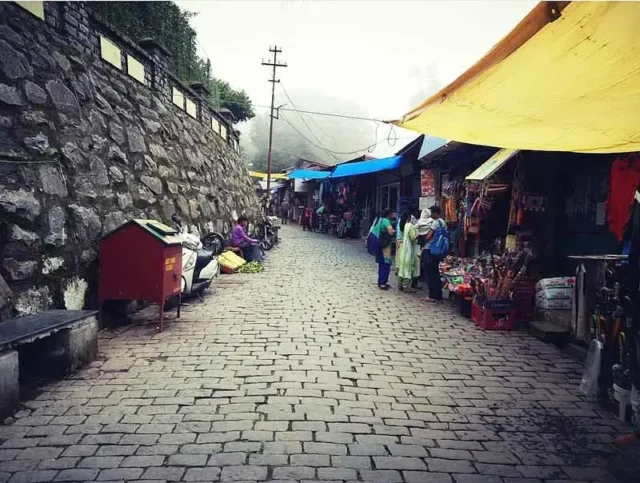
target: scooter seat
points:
(203, 257)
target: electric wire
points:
(339, 152)
(307, 125)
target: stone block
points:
(81, 343)
(9, 388)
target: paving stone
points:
(499, 470)
(355, 462)
(367, 449)
(310, 460)
(227, 459)
(164, 473)
(120, 474)
(32, 476)
(202, 474)
(237, 473)
(381, 476)
(466, 478)
(242, 446)
(76, 475)
(426, 477)
(294, 473)
(449, 466)
(407, 450)
(142, 461)
(398, 463)
(328, 437)
(100, 462)
(288, 447)
(337, 474)
(294, 436)
(325, 448)
(187, 460)
(271, 459)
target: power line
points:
(338, 152)
(316, 113)
(305, 122)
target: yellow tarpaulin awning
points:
(492, 165)
(567, 78)
(256, 174)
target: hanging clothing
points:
(624, 180)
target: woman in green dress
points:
(407, 259)
(384, 232)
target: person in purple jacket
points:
(240, 239)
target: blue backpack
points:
(440, 243)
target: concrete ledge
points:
(80, 343)
(9, 386)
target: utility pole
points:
(274, 64)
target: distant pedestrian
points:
(284, 212)
(384, 233)
(307, 214)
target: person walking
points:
(284, 211)
(407, 258)
(385, 233)
(437, 228)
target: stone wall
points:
(85, 147)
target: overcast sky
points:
(379, 54)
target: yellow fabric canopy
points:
(567, 78)
(256, 174)
(492, 165)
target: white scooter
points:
(199, 265)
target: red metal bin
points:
(140, 260)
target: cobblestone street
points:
(309, 372)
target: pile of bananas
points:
(251, 267)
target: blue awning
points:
(307, 174)
(366, 167)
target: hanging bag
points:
(372, 239)
(440, 244)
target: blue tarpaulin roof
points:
(366, 167)
(307, 174)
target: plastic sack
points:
(591, 373)
(556, 282)
(230, 262)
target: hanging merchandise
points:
(624, 180)
(591, 373)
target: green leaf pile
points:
(251, 267)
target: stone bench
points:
(69, 336)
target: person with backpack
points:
(379, 242)
(435, 250)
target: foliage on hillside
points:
(170, 25)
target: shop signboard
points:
(427, 183)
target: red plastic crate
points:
(496, 317)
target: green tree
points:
(238, 102)
(170, 25)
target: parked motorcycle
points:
(267, 234)
(199, 264)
